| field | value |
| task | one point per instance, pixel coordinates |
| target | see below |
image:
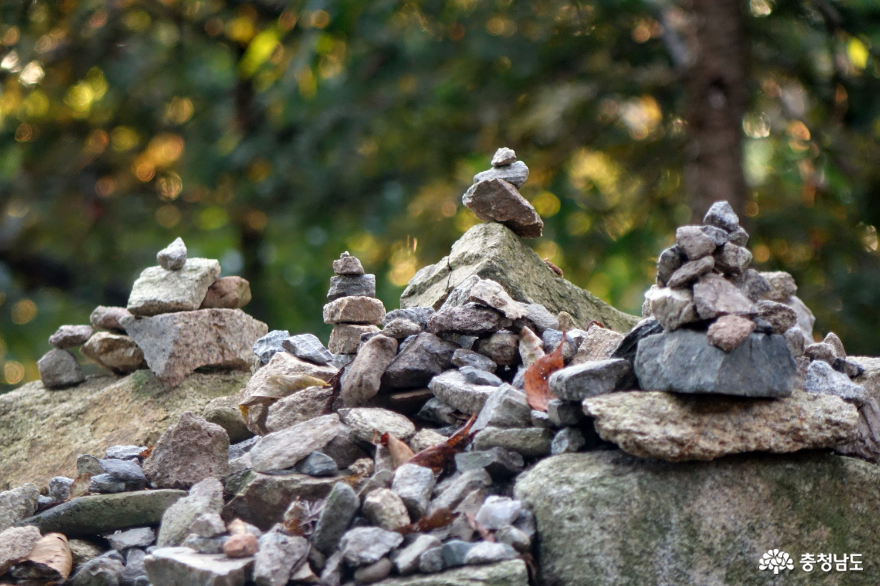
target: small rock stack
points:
(352, 306)
(180, 316)
(495, 197)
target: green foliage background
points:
(274, 135)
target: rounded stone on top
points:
(503, 156)
(347, 265)
(173, 256)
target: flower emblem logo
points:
(776, 560)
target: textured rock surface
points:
(176, 344)
(15, 544)
(105, 513)
(189, 451)
(108, 318)
(17, 504)
(181, 566)
(589, 379)
(492, 251)
(676, 427)
(419, 361)
(114, 352)
(730, 331)
(684, 361)
(345, 338)
(159, 290)
(509, 573)
(70, 336)
(59, 368)
(354, 310)
(351, 285)
(297, 408)
(101, 412)
(515, 173)
(363, 377)
(282, 449)
(714, 295)
(227, 293)
(701, 522)
(496, 200)
(365, 422)
(261, 499)
(672, 307)
(452, 388)
(173, 256)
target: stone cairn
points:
(394, 452)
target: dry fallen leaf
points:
(400, 452)
(440, 456)
(49, 562)
(80, 486)
(439, 518)
(537, 388)
(277, 387)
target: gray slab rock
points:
(515, 173)
(497, 512)
(575, 383)
(414, 485)
(492, 251)
(420, 360)
(506, 407)
(105, 570)
(137, 537)
(407, 560)
(702, 427)
(115, 352)
(690, 272)
(159, 290)
(479, 377)
(401, 328)
(529, 442)
(715, 296)
(385, 509)
(189, 451)
(278, 557)
(469, 319)
(822, 378)
(351, 285)
(298, 408)
(459, 488)
(268, 345)
(59, 368)
(453, 389)
(282, 449)
(181, 566)
(307, 347)
(70, 336)
(317, 464)
(206, 497)
(489, 553)
(659, 519)
(17, 504)
(173, 256)
(498, 462)
(569, 439)
(597, 344)
(454, 552)
(431, 561)
(509, 573)
(354, 310)
(672, 307)
(362, 546)
(100, 514)
(684, 361)
(176, 344)
(339, 509)
(363, 377)
(365, 422)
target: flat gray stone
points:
(115, 352)
(822, 378)
(529, 442)
(684, 362)
(691, 271)
(693, 242)
(351, 285)
(279, 555)
(414, 485)
(489, 553)
(575, 383)
(17, 504)
(367, 545)
(282, 449)
(516, 173)
(181, 566)
(672, 307)
(365, 422)
(70, 336)
(159, 290)
(137, 537)
(420, 360)
(715, 296)
(59, 368)
(307, 347)
(452, 388)
(506, 407)
(407, 560)
(356, 309)
(498, 462)
(267, 346)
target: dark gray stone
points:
(567, 440)
(721, 214)
(70, 336)
(731, 259)
(59, 368)
(502, 347)
(630, 343)
(540, 318)
(436, 411)
(564, 413)
(739, 237)
(307, 347)
(452, 388)
(693, 242)
(431, 561)
(454, 552)
(479, 377)
(668, 262)
(137, 537)
(317, 464)
(462, 357)
(506, 407)
(718, 236)
(124, 452)
(106, 484)
(683, 361)
(752, 284)
(498, 462)
(127, 471)
(418, 362)
(691, 271)
(419, 315)
(575, 383)
(530, 442)
(339, 509)
(362, 546)
(351, 285)
(822, 378)
(266, 347)
(850, 368)
(470, 319)
(59, 488)
(101, 571)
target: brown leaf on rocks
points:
(400, 452)
(49, 562)
(441, 456)
(146, 453)
(440, 518)
(537, 388)
(301, 517)
(553, 267)
(80, 486)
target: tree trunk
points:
(717, 94)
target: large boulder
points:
(606, 518)
(42, 431)
(493, 251)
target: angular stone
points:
(241, 545)
(365, 422)
(795, 340)
(677, 428)
(431, 561)
(345, 338)
(407, 560)
(821, 378)
(385, 509)
(424, 439)
(262, 499)
(17, 504)
(298, 408)
(721, 215)
(489, 553)
(191, 450)
(307, 347)
(529, 442)
(515, 173)
(751, 498)
(100, 514)
(414, 485)
(598, 344)
(354, 310)
(270, 344)
(159, 290)
(506, 407)
(514, 538)
(498, 462)
(491, 294)
(503, 156)
(70, 336)
(227, 293)
(59, 488)
(401, 328)
(137, 537)
(498, 512)
(502, 347)
(462, 357)
(452, 388)
(782, 286)
(181, 566)
(173, 256)
(103, 570)
(693, 242)
(850, 368)
(569, 439)
(730, 331)
(496, 200)
(459, 488)
(16, 544)
(208, 525)
(351, 286)
(835, 342)
(224, 411)
(468, 319)
(282, 449)
(779, 315)
(114, 352)
(683, 361)
(420, 360)
(59, 369)
(363, 377)
(278, 557)
(366, 545)
(731, 259)
(347, 265)
(718, 236)
(589, 379)
(126, 471)
(454, 552)
(715, 296)
(176, 344)
(492, 251)
(739, 237)
(479, 377)
(691, 271)
(419, 315)
(820, 351)
(179, 520)
(752, 284)
(668, 262)
(318, 464)
(108, 318)
(672, 307)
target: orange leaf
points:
(440, 518)
(440, 456)
(537, 388)
(400, 452)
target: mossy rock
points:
(42, 430)
(607, 518)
